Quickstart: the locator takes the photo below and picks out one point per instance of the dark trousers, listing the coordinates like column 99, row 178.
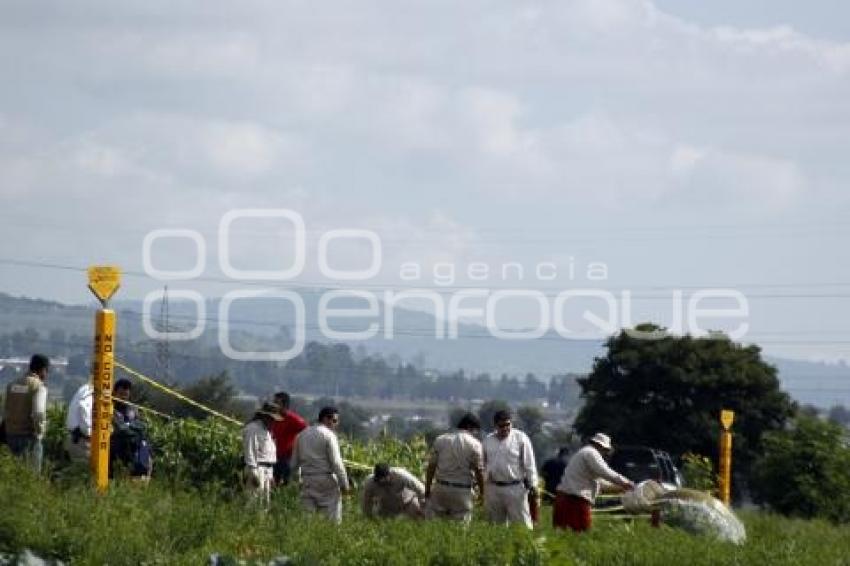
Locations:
column 28, row 447
column 282, row 472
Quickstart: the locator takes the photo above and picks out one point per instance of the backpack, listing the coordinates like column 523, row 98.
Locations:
column 130, row 446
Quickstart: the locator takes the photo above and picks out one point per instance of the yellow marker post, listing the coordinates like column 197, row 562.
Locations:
column 726, row 419
column 103, row 282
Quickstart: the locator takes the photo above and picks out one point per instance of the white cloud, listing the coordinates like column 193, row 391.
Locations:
column 719, row 179
column 684, row 158
column 541, row 117
column 243, row 149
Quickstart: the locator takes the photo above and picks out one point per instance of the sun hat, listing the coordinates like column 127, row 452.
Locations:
column 270, row 410
column 601, row 440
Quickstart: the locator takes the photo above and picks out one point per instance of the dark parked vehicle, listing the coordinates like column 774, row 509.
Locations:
column 639, row 463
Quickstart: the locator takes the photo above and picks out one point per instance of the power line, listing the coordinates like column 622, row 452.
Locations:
column 317, row 287
column 559, row 233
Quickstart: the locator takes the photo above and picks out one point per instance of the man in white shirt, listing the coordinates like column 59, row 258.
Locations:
column 511, row 473
column 25, row 414
column 259, row 452
column 586, row 474
column 393, row 491
column 317, row 458
column 455, row 462
column 78, row 424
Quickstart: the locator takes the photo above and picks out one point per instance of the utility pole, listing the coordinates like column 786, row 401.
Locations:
column 163, row 352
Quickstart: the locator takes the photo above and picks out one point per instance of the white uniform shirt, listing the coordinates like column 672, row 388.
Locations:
column 583, row 474
column 79, row 410
column 39, row 411
column 257, row 444
column 456, row 455
column 502, row 458
column 317, row 452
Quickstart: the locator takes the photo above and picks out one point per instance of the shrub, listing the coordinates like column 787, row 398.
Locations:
column 699, row 472
column 805, row 471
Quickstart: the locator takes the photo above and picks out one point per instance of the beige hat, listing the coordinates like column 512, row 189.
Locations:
column 602, row 440
column 270, row 410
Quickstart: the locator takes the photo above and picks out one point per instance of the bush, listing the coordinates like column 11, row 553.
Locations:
column 199, row 453
column 805, row 471
column 412, row 455
column 699, row 472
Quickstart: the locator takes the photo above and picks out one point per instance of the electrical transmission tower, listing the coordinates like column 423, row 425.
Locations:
column 163, row 354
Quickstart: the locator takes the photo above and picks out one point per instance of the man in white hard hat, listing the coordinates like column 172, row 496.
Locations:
column 586, row 474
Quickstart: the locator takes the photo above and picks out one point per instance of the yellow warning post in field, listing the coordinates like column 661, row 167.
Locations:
column 725, row 468
column 727, row 418
column 104, row 281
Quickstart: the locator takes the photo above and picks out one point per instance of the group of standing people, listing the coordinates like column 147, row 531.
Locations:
column 128, row 443
column 25, row 422
column 502, row 468
column 279, row 446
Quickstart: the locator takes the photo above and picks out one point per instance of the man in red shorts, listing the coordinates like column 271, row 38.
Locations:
column 284, row 433
column 582, row 480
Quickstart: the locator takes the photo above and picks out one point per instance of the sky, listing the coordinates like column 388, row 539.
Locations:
column 684, row 145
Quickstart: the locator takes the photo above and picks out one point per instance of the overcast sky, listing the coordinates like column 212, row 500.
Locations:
column 684, row 144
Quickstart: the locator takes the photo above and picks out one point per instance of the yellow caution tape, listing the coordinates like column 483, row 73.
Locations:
column 194, row 403
column 356, row 465
column 145, row 409
column 180, row 396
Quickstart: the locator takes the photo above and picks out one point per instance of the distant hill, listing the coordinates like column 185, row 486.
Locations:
column 474, row 351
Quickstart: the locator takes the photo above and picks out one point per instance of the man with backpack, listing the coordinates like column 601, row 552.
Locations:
column 129, row 444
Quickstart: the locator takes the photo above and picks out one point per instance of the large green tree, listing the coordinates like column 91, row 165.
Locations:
column 668, row 391
column 805, row 470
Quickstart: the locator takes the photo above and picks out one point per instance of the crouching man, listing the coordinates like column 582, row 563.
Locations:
column 390, row 492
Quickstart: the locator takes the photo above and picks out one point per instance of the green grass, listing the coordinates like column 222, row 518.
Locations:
column 158, row 524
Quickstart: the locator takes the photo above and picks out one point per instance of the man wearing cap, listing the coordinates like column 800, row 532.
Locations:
column 455, row 461
column 259, row 452
column 511, row 473
column 26, row 412
column 391, row 492
column 317, row 457
column 586, row 473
